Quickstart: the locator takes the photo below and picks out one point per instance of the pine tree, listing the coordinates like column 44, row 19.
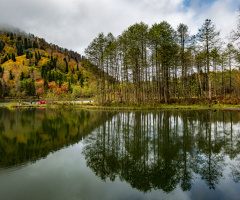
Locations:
column 11, row 36
column 95, row 53
column 35, row 46
column 29, row 43
column 230, row 54
column 1, row 89
column 20, row 49
column 2, row 45
column 45, row 84
column 39, row 56
column 10, row 75
column 69, row 87
column 60, row 80
column 80, row 78
column 183, row 39
column 4, row 59
column 36, row 58
column 33, row 88
column 21, row 76
column 49, row 76
column 66, row 65
column 27, row 55
column 1, row 71
column 208, row 36
column 25, row 43
column 13, row 57
column 44, row 71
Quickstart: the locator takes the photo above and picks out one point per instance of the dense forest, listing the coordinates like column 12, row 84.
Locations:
column 144, row 65
column 157, row 64
column 31, row 67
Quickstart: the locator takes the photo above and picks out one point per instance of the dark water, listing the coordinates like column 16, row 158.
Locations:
column 76, row 154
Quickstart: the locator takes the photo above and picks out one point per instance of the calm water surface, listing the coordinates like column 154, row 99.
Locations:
column 76, row 154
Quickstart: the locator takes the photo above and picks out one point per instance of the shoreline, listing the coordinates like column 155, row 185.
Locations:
column 92, row 106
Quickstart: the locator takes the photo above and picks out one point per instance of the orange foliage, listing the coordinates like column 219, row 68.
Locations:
column 39, row 87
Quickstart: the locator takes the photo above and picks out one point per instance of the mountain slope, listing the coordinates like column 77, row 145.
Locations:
column 29, row 66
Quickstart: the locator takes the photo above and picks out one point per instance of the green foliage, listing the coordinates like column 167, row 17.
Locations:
column 49, row 76
column 76, row 92
column 44, row 71
column 10, row 75
column 13, row 57
column 29, row 87
column 25, row 43
column 29, row 55
column 80, row 78
column 35, row 45
column 53, row 63
column 2, row 45
column 19, row 49
column 5, row 59
column 11, row 36
column 1, row 90
column 60, row 80
column 45, row 86
column 69, row 87
column 47, row 68
column 1, row 72
column 66, row 65
column 21, row 76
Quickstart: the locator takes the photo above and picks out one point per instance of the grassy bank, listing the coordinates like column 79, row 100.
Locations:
column 128, row 107
column 167, row 107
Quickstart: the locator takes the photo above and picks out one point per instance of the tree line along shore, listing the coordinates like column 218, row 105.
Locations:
column 157, row 64
column 144, row 66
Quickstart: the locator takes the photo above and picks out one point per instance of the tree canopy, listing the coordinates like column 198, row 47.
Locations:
column 156, row 64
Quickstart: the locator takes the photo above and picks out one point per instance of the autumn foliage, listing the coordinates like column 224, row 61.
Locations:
column 29, row 66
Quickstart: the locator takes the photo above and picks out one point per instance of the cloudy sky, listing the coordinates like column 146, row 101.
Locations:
column 73, row 24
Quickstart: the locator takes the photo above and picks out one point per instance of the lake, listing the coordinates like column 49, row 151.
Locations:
column 77, row 154
column 27, row 102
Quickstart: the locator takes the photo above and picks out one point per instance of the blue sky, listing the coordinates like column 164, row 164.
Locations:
column 73, row 24
column 200, row 3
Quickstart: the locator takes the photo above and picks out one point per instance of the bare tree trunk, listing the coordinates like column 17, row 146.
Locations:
column 199, row 80
column 215, row 77
column 208, row 75
column 230, row 67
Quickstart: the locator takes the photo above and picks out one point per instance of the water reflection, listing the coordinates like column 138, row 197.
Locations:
column 27, row 135
column 161, row 150
column 148, row 150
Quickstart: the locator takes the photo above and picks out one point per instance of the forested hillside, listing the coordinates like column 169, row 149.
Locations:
column 160, row 64
column 143, row 65
column 31, row 67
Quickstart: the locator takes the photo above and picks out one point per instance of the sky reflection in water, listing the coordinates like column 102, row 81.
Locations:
column 74, row 154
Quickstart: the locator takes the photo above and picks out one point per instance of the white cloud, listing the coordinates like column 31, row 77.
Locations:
column 74, row 23
column 224, row 16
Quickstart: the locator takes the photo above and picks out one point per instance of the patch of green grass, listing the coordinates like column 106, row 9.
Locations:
column 115, row 106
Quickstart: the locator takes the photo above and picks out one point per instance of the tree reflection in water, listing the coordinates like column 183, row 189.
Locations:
column 27, row 135
column 149, row 150
column 161, row 150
